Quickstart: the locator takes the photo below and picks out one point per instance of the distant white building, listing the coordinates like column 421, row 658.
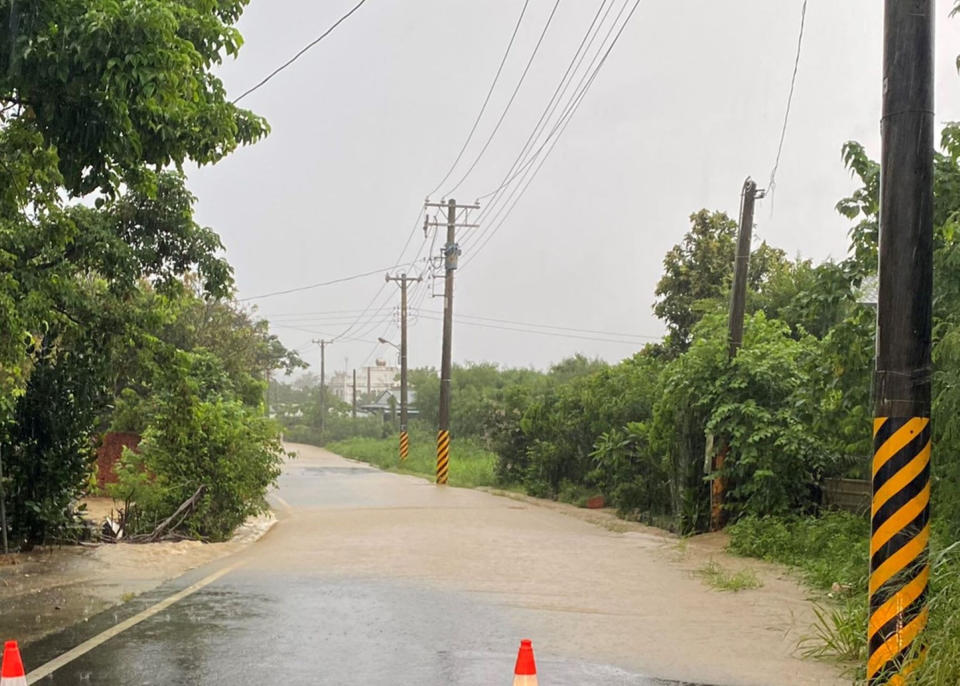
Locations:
column 376, row 379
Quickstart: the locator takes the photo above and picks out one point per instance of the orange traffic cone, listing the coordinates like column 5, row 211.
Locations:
column 11, row 673
column 525, row 673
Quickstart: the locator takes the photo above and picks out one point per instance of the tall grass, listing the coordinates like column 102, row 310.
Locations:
column 830, row 553
column 829, row 550
column 470, row 465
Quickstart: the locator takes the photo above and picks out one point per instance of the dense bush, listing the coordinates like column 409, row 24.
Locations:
column 198, row 433
column 49, row 448
column 630, row 473
column 232, row 451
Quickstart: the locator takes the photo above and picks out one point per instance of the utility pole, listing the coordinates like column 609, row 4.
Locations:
column 451, row 253
column 899, row 542
column 738, row 307
column 323, row 382
column 3, row 507
column 354, row 394
column 268, row 394
column 741, row 266
column 403, row 279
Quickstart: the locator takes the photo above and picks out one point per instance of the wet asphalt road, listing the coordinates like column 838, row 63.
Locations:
column 274, row 621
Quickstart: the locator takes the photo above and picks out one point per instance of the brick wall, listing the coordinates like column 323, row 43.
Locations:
column 109, row 452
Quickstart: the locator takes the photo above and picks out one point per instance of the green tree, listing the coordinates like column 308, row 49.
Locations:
column 696, row 269
column 108, row 88
column 97, row 98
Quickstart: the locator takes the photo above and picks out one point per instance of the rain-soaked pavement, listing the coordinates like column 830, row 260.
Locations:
column 283, row 618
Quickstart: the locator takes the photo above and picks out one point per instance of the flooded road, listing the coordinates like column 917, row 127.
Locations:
column 375, row 578
column 248, row 629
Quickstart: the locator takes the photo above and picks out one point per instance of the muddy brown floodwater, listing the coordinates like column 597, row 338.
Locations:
column 603, row 588
column 414, row 576
column 52, row 588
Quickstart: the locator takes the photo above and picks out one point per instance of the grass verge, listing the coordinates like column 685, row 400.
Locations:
column 830, row 554
column 715, row 576
column 470, row 465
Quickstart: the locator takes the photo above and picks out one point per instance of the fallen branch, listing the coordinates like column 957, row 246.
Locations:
column 172, row 522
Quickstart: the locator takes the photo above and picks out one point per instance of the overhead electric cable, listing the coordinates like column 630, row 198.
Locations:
column 772, row 184
column 356, row 321
column 486, row 100
column 571, row 105
column 544, row 333
column 376, row 346
column 299, row 54
column 487, row 233
column 585, row 44
column 506, row 109
column 318, row 285
column 320, row 333
column 547, row 326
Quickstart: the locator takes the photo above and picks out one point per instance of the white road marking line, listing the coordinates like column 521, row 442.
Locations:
column 85, row 647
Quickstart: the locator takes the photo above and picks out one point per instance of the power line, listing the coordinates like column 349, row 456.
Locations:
column 314, row 321
column 562, row 87
column 549, row 326
column 299, row 54
column 486, row 100
column 486, row 234
column 553, row 136
column 506, row 109
column 323, row 313
column 544, row 333
column 318, row 285
column 356, row 321
column 319, row 333
column 363, row 312
column 771, row 186
column 571, row 104
column 376, row 346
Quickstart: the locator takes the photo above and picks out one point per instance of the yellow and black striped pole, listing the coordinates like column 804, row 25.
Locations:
column 404, row 445
column 900, row 524
column 443, row 456
column 899, row 568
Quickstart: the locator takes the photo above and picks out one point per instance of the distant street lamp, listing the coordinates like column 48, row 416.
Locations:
column 384, row 340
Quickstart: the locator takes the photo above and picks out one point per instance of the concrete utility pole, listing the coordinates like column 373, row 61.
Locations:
column 899, row 544
column 354, row 393
column 738, row 307
column 323, row 382
column 741, row 266
column 451, row 253
column 403, row 279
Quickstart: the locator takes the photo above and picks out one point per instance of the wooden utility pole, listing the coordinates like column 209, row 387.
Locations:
column 323, row 382
column 738, row 308
column 899, row 542
column 403, row 280
column 451, row 254
column 354, row 413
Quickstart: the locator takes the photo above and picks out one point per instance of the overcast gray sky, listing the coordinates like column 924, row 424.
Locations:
column 690, row 102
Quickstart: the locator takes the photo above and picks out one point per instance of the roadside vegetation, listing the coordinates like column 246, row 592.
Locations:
column 794, row 406
column 474, row 466
column 115, row 305
column 714, row 575
column 117, row 313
